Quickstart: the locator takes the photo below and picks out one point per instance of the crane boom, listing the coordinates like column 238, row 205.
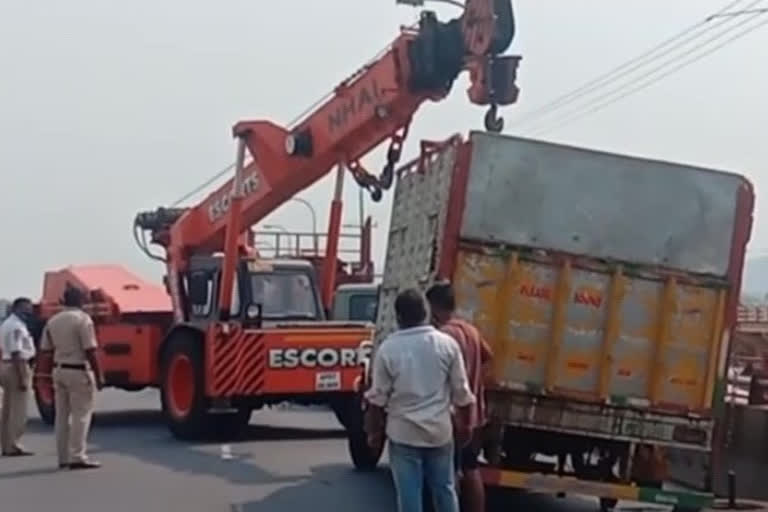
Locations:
column 373, row 105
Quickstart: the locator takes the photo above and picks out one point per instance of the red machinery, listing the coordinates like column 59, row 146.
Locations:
column 249, row 331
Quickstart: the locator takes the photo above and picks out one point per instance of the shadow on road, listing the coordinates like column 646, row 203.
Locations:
column 330, row 488
column 27, row 473
column 105, row 421
column 142, row 434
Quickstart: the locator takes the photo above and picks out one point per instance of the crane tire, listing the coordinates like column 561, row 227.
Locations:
column 182, row 388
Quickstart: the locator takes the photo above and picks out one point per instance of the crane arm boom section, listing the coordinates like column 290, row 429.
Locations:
column 373, row 105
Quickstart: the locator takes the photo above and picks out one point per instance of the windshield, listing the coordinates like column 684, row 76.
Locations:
column 284, row 295
column 362, row 308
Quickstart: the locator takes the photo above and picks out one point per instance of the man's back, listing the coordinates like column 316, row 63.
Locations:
column 420, row 370
column 476, row 354
column 15, row 336
column 69, row 333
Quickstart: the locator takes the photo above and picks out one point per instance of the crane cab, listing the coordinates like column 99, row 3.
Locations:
column 265, row 292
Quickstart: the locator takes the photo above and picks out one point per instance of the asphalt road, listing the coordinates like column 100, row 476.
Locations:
column 291, row 460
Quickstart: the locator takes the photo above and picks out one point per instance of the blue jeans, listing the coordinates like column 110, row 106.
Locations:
column 412, row 465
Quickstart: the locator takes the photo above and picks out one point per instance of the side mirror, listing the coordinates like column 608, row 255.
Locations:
column 198, row 287
column 253, row 315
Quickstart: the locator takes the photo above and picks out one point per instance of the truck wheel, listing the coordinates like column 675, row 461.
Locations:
column 608, row 504
column 45, row 401
column 182, row 388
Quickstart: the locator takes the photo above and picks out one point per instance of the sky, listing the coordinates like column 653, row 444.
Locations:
column 108, row 108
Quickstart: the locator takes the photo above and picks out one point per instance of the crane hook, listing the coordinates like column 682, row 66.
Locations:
column 493, row 122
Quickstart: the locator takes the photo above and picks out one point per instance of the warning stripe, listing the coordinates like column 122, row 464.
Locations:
column 238, row 364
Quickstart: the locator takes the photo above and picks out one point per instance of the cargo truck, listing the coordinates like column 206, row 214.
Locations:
column 607, row 286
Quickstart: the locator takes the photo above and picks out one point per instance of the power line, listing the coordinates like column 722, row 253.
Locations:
column 597, row 105
column 203, row 185
column 629, row 66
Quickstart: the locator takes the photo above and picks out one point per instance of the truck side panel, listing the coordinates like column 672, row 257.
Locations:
column 534, row 194
column 595, row 333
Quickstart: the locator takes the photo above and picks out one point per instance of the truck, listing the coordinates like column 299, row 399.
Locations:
column 607, row 286
column 247, row 331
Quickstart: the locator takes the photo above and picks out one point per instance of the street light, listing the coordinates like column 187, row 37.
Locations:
column 311, row 211
column 314, row 221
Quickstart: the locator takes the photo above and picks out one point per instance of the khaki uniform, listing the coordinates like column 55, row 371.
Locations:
column 14, row 337
column 69, row 334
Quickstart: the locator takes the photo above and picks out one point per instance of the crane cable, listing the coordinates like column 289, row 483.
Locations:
column 671, row 44
column 621, row 92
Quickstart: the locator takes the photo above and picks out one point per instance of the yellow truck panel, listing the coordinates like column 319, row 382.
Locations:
column 596, row 333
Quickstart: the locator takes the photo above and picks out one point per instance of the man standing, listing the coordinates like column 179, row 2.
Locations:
column 71, row 336
column 418, row 374
column 477, row 357
column 18, row 349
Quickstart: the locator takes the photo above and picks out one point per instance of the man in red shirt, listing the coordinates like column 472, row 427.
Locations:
column 477, row 357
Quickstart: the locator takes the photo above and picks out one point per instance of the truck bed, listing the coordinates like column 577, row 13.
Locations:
column 599, row 277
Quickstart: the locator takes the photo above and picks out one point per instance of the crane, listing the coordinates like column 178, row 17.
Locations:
column 239, row 337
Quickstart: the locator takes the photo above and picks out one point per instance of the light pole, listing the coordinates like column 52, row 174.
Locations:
column 314, row 219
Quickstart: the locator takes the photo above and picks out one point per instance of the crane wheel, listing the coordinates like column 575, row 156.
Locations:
column 44, row 399
column 364, row 458
column 182, row 387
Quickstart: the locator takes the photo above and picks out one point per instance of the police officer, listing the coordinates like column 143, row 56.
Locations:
column 71, row 336
column 18, row 351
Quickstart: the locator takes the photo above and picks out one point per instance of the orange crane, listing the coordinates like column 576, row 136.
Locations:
column 248, row 331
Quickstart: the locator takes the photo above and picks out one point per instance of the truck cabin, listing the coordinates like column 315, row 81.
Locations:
column 266, row 292
column 356, row 302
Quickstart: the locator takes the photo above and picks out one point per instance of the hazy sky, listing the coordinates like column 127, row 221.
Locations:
column 108, row 108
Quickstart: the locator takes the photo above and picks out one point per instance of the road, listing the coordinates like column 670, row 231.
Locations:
column 291, row 460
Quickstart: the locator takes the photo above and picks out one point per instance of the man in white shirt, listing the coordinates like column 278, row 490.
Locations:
column 418, row 376
column 18, row 351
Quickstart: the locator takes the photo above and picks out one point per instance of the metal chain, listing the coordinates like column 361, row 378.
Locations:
column 375, row 186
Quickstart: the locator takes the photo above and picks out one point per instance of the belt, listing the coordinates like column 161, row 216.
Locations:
column 30, row 361
column 67, row 366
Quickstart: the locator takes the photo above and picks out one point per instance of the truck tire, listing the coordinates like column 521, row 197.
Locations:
column 182, row 388
column 45, row 401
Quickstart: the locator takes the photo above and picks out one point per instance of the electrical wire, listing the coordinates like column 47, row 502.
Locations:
column 203, row 185
column 628, row 67
column 603, row 103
